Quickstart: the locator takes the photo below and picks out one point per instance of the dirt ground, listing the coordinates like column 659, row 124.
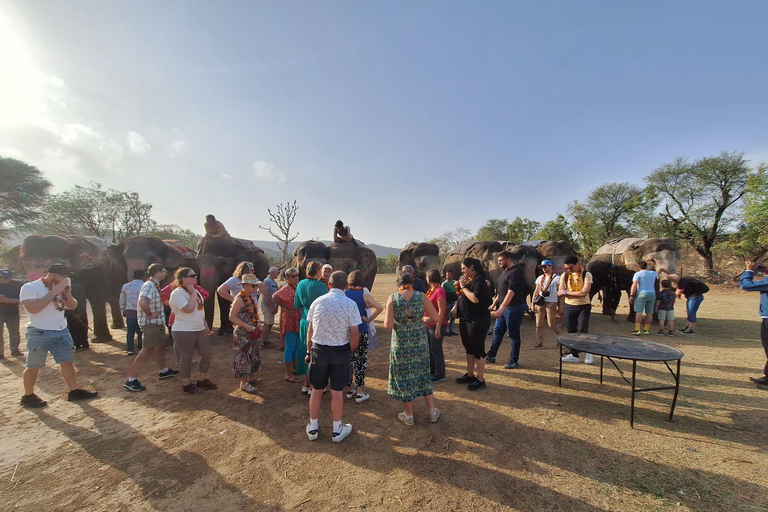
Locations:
column 522, row 444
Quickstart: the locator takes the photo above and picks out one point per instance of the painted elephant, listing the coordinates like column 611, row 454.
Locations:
column 555, row 252
column 347, row 256
column 486, row 252
column 140, row 252
column 99, row 267
column 627, row 252
column 311, row 250
column 422, row 256
column 217, row 258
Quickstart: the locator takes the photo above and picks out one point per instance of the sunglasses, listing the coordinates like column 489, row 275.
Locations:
column 191, row 275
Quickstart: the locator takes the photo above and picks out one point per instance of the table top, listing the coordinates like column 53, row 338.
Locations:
column 637, row 348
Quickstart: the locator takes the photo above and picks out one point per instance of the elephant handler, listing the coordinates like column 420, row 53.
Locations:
column 749, row 284
column 152, row 323
column 46, row 300
column 214, row 228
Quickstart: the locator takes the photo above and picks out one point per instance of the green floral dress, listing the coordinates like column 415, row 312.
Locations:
column 409, row 351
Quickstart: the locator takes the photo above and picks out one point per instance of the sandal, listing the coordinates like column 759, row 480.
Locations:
column 267, row 344
column 249, row 388
column 292, row 379
column 254, row 381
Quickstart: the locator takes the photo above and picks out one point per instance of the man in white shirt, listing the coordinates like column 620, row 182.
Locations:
column 45, row 300
column 331, row 339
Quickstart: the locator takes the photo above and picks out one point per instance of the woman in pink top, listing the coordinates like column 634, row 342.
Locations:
column 436, row 295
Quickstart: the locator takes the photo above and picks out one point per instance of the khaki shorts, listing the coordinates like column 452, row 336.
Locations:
column 269, row 318
column 154, row 336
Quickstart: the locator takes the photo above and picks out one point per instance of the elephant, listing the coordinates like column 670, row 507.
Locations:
column 555, row 251
column 347, row 256
column 217, row 258
column 422, row 256
column 142, row 251
column 99, row 267
column 311, row 250
column 528, row 258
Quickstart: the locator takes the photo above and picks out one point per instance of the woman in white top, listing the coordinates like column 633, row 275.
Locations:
column 190, row 331
column 546, row 285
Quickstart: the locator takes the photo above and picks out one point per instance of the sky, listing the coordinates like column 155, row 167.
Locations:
column 404, row 119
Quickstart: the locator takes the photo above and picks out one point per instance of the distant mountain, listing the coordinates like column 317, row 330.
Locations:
column 270, row 247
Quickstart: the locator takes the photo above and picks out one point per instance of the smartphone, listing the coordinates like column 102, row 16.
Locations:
column 68, row 281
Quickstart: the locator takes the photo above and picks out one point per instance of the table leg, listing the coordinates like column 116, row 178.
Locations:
column 677, row 388
column 632, row 405
column 560, row 377
column 601, row 369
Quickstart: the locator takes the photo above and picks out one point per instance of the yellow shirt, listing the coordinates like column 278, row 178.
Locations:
column 577, row 301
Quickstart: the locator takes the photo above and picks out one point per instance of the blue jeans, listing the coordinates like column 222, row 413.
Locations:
column 511, row 319
column 692, row 306
column 132, row 326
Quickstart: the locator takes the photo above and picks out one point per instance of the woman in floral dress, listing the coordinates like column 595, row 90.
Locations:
column 409, row 350
column 244, row 315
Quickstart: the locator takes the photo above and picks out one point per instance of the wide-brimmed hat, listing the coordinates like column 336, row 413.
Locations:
column 60, row 269
column 250, row 279
column 328, row 265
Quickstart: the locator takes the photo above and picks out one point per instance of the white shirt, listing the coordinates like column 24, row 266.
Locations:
column 332, row 315
column 554, row 284
column 49, row 318
column 186, row 322
column 235, row 285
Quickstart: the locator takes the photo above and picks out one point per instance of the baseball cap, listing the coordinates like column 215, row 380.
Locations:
column 60, row 269
column 547, row 262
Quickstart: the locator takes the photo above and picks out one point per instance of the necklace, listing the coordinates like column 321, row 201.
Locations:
column 575, row 281
column 546, row 280
column 405, row 287
column 250, row 304
column 431, row 291
column 358, row 288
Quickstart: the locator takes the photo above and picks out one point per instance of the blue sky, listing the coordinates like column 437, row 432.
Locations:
column 404, row 119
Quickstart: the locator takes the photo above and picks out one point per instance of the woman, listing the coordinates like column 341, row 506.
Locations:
column 364, row 300
column 190, row 331
column 232, row 286
column 290, row 318
column 474, row 321
column 436, row 295
column 547, row 285
column 306, row 292
column 244, row 315
column 409, row 354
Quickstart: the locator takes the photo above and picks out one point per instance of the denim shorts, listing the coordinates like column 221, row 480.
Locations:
column 40, row 342
column 645, row 302
column 666, row 314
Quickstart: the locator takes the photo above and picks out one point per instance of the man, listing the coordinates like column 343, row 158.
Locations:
column 214, row 228
column 451, row 296
column 268, row 306
column 575, row 304
column 331, row 339
column 325, row 277
column 342, row 234
column 152, row 323
column 129, row 301
column 509, row 308
column 748, row 283
column 418, row 284
column 642, row 297
column 616, row 283
column 9, row 312
column 46, row 300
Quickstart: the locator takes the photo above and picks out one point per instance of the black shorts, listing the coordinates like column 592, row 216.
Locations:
column 473, row 336
column 327, row 362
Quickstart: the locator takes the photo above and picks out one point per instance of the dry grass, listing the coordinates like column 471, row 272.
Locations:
column 521, row 444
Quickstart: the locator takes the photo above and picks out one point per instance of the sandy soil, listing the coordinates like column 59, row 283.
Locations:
column 521, row 444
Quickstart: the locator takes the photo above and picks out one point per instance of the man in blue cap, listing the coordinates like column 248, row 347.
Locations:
column 9, row 312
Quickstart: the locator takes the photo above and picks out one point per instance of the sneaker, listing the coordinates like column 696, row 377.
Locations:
column 761, row 380
column 405, row 419
column 476, row 385
column 81, row 394
column 661, row 332
column 538, row 345
column 351, row 393
column 312, row 434
column 589, row 359
column 130, row 353
column 434, row 416
column 670, row 333
column 570, row 358
column 206, row 384
column 17, row 353
column 362, row 398
column 168, row 374
column 636, row 332
column 683, row 329
column 134, row 385
column 437, row 379
column 305, row 390
column 646, row 332
column 465, row 379
column 192, row 389
column 490, row 359
column 689, row 331
column 511, row 365
column 346, row 429
column 32, row 401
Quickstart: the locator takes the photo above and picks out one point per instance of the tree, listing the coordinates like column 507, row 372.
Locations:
column 558, row 229
column 108, row 214
column 386, row 265
column 450, row 239
column 23, row 191
column 610, row 211
column 283, row 218
column 698, row 198
column 751, row 241
column 174, row 232
column 493, row 230
column 520, row 230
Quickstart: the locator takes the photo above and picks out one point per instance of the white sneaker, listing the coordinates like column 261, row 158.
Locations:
column 589, row 359
column 362, row 397
column 570, row 358
column 312, row 434
column 351, row 393
column 345, row 431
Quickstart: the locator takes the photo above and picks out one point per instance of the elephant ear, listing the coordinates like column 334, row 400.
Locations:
column 87, row 252
column 175, row 254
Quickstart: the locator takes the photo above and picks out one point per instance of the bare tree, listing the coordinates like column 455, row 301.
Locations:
column 283, row 219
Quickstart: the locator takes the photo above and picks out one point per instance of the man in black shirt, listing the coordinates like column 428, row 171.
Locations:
column 510, row 308
column 9, row 312
column 418, row 284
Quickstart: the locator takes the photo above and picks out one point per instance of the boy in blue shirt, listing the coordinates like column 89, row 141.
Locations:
column 749, row 284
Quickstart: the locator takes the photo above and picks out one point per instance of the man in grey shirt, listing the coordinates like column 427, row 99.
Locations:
column 268, row 307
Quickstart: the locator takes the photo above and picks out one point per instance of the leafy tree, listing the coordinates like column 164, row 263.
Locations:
column 751, row 241
column 386, row 265
column 174, row 232
column 23, row 191
column 520, row 230
column 699, row 198
column 493, row 230
column 558, row 229
column 610, row 211
column 283, row 218
column 108, row 214
column 450, row 239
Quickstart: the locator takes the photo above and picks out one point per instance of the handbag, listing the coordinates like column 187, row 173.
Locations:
column 256, row 333
column 540, row 299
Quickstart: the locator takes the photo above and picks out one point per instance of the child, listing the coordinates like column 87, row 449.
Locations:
column 665, row 307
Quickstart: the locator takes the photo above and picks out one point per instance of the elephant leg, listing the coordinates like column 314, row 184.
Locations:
column 117, row 317
column 225, row 327
column 100, row 330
